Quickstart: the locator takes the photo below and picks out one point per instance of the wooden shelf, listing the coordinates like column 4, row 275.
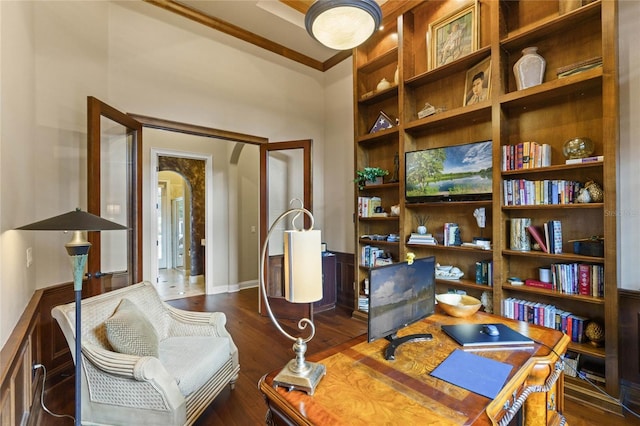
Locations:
column 554, row 206
column 550, row 113
column 563, row 257
column 553, row 294
column 551, row 169
column 523, row 37
column 464, row 284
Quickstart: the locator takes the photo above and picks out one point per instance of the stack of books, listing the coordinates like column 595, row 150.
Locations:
column 367, row 206
column 425, row 239
column 363, row 303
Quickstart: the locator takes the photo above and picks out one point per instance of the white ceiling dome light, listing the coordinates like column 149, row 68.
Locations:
column 343, row 24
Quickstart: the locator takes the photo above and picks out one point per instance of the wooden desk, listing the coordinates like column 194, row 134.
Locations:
column 362, row 388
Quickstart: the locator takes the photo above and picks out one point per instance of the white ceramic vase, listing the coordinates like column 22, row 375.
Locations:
column 529, row 70
column 422, row 229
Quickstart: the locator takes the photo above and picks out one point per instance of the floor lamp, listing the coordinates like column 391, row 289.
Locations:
column 77, row 222
column 303, row 284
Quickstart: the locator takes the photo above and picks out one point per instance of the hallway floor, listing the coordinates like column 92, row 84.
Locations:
column 174, row 284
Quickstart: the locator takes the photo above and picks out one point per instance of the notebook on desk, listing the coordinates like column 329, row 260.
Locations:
column 469, row 335
column 477, row 374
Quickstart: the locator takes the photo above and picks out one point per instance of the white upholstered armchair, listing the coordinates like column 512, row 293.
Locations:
column 145, row 362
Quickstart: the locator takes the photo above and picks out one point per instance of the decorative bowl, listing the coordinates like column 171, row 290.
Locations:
column 458, row 305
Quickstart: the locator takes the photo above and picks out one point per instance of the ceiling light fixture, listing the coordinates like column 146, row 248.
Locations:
column 343, row 24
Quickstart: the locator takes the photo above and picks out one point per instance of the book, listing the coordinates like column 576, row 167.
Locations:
column 578, row 67
column 539, row 284
column 584, row 279
column 538, row 235
column 557, row 237
column 594, row 159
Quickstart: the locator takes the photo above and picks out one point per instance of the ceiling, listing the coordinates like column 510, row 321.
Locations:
column 274, row 25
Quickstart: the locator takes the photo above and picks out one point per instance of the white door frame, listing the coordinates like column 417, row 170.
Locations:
column 208, row 225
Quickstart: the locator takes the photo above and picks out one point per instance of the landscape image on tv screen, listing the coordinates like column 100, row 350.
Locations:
column 453, row 172
column 401, row 294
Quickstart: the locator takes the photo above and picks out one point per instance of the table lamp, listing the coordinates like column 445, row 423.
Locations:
column 303, row 284
column 78, row 249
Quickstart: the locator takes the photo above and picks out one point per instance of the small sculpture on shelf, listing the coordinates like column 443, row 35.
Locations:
column 595, row 333
column 595, row 191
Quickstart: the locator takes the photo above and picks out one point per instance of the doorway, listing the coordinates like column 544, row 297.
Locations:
column 181, row 223
column 174, row 234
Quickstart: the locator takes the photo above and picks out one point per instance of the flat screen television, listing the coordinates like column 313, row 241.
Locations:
column 451, row 173
column 400, row 294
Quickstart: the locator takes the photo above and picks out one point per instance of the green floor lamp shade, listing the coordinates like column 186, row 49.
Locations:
column 77, row 222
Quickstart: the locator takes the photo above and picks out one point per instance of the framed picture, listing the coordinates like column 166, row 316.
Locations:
column 478, row 83
column 453, row 36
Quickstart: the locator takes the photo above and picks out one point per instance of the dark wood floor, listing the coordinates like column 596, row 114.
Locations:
column 262, row 349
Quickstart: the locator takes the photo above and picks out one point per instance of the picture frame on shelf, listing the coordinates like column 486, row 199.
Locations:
column 453, row 36
column 477, row 87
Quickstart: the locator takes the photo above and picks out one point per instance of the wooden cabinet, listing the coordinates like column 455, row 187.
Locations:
column 329, row 288
column 584, row 104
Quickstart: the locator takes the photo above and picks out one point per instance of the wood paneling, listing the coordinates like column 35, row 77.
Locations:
column 252, row 334
column 345, row 277
column 629, row 358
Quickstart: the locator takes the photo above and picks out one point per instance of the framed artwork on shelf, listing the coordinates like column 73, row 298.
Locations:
column 453, row 36
column 477, row 84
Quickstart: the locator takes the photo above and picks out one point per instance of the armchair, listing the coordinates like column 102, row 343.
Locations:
column 192, row 358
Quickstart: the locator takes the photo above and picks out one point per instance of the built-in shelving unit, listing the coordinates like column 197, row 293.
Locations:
column 581, row 105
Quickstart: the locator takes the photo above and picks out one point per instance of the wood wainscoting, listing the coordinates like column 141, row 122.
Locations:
column 36, row 339
column 628, row 350
column 345, row 278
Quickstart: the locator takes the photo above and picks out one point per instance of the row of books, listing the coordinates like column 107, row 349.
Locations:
column 548, row 236
column 578, row 278
column 452, row 234
column 425, row 239
column 523, row 192
column 525, row 155
column 546, row 315
column 363, row 303
column 367, row 206
column 371, row 257
column 573, row 278
column 484, row 272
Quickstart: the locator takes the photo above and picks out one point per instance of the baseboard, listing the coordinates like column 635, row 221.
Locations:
column 630, row 395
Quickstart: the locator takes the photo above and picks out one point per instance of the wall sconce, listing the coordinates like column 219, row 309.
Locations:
column 303, row 284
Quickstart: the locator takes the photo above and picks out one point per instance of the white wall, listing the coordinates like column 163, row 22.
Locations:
column 628, row 215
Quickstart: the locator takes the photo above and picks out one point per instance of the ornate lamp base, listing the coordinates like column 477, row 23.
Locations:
column 306, row 381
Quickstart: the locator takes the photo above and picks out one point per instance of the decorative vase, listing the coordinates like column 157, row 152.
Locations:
column 383, row 84
column 529, row 70
column 422, row 229
column 396, row 76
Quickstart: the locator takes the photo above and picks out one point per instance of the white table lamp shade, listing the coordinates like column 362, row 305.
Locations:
column 302, row 266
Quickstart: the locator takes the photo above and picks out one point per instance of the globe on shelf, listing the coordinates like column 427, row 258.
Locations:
column 577, row 148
